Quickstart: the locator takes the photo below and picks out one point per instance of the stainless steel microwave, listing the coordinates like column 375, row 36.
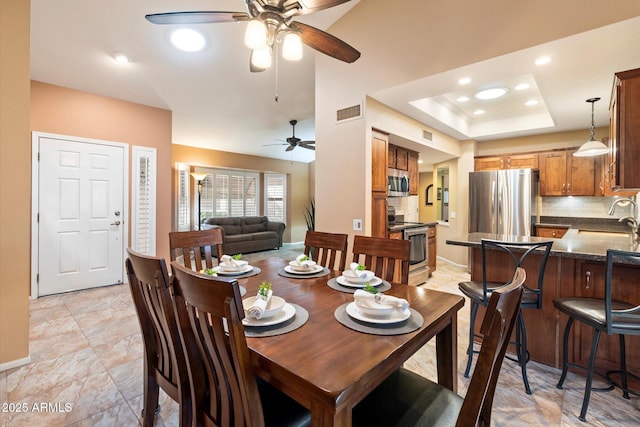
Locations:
column 398, row 183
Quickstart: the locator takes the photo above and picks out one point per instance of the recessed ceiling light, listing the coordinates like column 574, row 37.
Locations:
column 464, row 81
column 478, row 112
column 522, row 86
column 188, row 40
column 531, row 103
column 543, row 60
column 121, row 58
column 462, row 99
column 492, row 93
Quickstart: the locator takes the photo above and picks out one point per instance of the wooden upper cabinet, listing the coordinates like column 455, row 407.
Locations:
column 414, row 175
column 624, row 141
column 398, row 158
column 562, row 174
column 512, row 161
column 379, row 153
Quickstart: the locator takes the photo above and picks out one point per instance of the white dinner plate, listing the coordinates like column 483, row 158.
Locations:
column 344, row 282
column 313, row 270
column 220, row 270
column 395, row 317
column 287, row 312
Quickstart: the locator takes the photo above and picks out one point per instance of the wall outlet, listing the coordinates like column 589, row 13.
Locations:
column 357, row 225
column 452, row 215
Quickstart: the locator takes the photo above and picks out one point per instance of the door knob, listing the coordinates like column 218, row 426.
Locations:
column 115, row 223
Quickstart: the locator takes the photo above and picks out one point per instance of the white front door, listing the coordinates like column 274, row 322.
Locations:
column 81, row 220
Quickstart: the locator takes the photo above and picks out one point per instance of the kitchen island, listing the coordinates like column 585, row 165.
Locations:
column 576, row 267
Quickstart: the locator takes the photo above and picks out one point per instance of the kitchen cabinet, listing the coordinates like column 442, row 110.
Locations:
column 551, row 231
column 562, row 174
column 431, row 248
column 379, row 184
column 395, row 235
column 624, row 140
column 511, row 161
column 398, row 158
column 414, row 175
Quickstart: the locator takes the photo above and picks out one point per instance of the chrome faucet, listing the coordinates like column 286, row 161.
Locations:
column 632, row 220
column 624, row 200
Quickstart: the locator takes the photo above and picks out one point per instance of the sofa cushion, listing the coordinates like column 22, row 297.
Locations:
column 232, row 238
column 249, row 220
column 265, row 235
column 230, row 230
column 254, row 228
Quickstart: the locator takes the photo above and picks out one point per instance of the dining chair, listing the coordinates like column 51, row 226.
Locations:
column 408, row 399
column 479, row 292
column 326, row 248
column 224, row 388
column 196, row 247
column 602, row 314
column 164, row 361
column 383, row 256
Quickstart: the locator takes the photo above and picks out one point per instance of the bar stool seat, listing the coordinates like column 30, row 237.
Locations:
column 608, row 315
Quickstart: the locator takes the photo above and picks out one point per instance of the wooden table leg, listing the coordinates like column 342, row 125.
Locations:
column 447, row 355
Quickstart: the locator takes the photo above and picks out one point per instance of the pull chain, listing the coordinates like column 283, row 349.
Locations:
column 275, row 48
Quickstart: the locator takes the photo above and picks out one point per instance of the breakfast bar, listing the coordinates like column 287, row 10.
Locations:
column 576, row 267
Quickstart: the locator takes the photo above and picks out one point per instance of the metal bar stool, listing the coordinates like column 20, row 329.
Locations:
column 479, row 292
column 613, row 317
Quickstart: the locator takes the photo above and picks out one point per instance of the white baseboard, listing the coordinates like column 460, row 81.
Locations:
column 15, row 363
column 451, row 262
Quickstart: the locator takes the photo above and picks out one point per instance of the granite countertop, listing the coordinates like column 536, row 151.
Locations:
column 401, row 227
column 574, row 244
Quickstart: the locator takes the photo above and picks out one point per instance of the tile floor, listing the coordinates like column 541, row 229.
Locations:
column 86, row 369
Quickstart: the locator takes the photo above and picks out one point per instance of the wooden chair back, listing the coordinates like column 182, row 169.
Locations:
column 164, row 365
column 497, row 326
column 383, row 256
column 225, row 392
column 326, row 248
column 199, row 244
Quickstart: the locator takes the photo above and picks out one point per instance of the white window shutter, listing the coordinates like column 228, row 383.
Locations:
column 182, row 202
column 143, row 218
column 276, row 191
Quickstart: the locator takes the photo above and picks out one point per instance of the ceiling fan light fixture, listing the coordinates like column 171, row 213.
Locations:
column 255, row 37
column 292, row 47
column 261, row 58
column 188, row 40
column 592, row 147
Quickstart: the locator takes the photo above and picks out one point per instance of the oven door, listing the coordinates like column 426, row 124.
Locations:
column 418, row 257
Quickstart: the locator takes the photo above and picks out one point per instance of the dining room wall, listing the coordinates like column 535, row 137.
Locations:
column 297, row 182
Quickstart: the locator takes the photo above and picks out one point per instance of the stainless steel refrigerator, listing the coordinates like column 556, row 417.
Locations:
column 503, row 201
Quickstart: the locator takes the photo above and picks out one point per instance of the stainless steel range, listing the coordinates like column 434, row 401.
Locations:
column 416, row 233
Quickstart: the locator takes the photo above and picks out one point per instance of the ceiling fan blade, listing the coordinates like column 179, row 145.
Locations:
column 196, row 17
column 325, row 42
column 306, row 142
column 309, row 6
column 289, row 148
column 270, row 145
column 308, row 147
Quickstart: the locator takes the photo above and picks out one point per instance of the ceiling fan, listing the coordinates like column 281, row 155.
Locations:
column 294, row 142
column 269, row 19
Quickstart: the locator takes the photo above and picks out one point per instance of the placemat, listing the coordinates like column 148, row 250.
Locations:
column 413, row 323
column 333, row 284
column 252, row 272
column 321, row 273
column 299, row 319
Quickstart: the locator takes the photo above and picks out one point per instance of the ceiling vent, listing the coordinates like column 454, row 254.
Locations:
column 349, row 113
column 427, row 135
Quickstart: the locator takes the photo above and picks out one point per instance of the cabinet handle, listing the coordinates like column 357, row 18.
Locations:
column 501, row 164
column 553, row 234
column 588, row 280
column 568, row 187
column 563, row 187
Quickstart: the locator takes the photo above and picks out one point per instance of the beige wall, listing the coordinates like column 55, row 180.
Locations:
column 427, row 213
column 297, row 179
column 64, row 111
column 15, row 183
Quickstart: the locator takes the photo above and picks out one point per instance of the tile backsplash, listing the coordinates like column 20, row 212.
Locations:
column 582, row 207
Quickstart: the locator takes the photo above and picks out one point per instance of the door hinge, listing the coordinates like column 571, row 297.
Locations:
column 38, row 217
column 37, row 277
column 38, row 156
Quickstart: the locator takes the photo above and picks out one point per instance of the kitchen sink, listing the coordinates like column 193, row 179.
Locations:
column 603, row 233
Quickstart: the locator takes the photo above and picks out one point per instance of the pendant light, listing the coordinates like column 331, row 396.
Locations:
column 592, row 147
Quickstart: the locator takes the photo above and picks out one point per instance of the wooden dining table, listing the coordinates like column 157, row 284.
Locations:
column 328, row 367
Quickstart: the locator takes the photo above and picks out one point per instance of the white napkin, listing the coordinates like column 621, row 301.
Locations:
column 306, row 264
column 370, row 299
column 256, row 310
column 228, row 261
column 357, row 273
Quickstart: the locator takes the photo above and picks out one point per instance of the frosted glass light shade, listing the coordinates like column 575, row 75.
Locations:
column 255, row 37
column 261, row 58
column 292, row 47
column 591, row 148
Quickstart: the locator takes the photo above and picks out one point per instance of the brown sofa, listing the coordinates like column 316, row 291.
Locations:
column 247, row 233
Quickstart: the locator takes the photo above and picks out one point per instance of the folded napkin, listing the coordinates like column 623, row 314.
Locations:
column 354, row 269
column 256, row 310
column 370, row 299
column 228, row 261
column 304, row 264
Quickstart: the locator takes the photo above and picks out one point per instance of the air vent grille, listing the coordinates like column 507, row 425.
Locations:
column 427, row 135
column 349, row 113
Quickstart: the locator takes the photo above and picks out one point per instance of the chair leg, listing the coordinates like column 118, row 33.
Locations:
column 592, row 362
column 623, row 367
column 521, row 350
column 472, row 322
column 151, row 394
column 565, row 353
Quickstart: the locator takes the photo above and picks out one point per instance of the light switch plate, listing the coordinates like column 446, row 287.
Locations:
column 357, row 225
